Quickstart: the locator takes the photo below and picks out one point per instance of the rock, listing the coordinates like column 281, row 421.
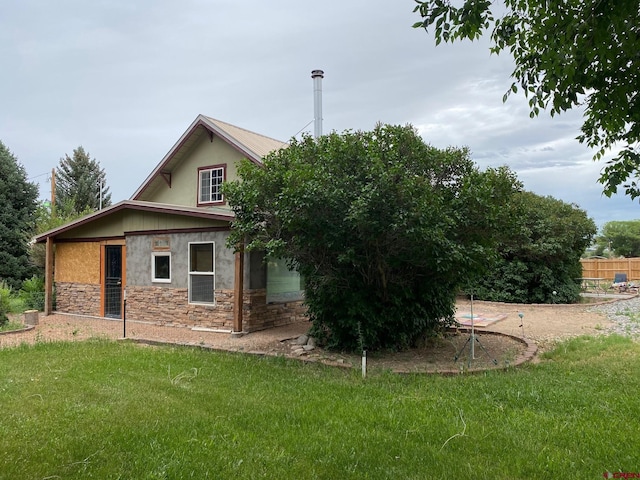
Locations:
column 302, row 340
column 308, row 348
column 311, row 342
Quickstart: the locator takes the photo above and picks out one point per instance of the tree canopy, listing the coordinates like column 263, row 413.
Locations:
column 78, row 180
column 567, row 54
column 18, row 201
column 620, row 237
column 539, row 252
column 382, row 227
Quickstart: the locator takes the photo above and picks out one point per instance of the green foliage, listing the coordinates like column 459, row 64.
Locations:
column 78, row 180
column 539, row 253
column 5, row 302
column 32, row 293
column 48, row 219
column 567, row 54
column 17, row 222
column 621, row 237
column 382, row 227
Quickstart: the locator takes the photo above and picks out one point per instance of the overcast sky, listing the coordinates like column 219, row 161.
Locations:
column 125, row 79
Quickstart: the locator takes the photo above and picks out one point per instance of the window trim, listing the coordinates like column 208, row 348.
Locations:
column 154, row 278
column 191, row 273
column 210, row 168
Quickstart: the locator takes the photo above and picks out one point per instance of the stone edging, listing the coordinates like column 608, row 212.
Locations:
column 19, row 330
column 526, row 356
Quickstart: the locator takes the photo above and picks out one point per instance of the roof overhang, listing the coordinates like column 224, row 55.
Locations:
column 136, row 205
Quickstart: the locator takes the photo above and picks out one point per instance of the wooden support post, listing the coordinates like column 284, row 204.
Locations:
column 238, row 290
column 48, row 277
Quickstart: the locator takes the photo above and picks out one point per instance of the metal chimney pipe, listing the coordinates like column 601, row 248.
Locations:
column 317, row 76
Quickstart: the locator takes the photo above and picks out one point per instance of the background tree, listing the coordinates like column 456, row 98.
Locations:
column 382, row 227
column 567, row 53
column 45, row 220
column 539, row 253
column 78, row 180
column 17, row 219
column 620, row 237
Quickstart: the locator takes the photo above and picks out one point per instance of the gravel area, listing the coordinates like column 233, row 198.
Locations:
column 624, row 316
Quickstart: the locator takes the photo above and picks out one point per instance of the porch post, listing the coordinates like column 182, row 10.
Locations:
column 48, row 277
column 238, row 290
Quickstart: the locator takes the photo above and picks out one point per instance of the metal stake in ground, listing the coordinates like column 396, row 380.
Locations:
column 471, row 341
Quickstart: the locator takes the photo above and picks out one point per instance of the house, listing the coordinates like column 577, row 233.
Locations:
column 162, row 255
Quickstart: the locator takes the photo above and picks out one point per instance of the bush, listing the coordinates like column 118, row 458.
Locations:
column 539, row 253
column 32, row 293
column 382, row 227
column 5, row 302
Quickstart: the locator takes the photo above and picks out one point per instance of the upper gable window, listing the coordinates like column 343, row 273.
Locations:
column 210, row 184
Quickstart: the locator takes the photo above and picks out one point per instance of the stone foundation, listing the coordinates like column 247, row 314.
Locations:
column 78, row 298
column 259, row 315
column 170, row 306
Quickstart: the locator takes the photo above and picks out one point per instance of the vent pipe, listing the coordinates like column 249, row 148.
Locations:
column 317, row 76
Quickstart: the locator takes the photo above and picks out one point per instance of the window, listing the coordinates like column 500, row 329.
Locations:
column 210, row 180
column 201, row 273
column 161, row 267
column 283, row 285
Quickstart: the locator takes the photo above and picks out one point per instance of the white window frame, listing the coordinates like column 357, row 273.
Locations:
column 154, row 278
column 193, row 274
column 212, row 196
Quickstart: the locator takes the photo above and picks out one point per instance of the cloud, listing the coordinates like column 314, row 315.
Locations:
column 125, row 79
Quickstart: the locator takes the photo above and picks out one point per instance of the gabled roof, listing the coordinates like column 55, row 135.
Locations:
column 252, row 145
column 136, row 205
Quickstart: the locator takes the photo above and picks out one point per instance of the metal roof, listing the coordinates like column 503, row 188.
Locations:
column 252, row 145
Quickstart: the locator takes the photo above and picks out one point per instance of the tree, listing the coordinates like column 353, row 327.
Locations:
column 382, row 227
column 78, row 179
column 567, row 53
column 46, row 219
column 620, row 237
column 539, row 252
column 17, row 210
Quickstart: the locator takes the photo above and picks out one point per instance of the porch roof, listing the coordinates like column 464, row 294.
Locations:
column 137, row 205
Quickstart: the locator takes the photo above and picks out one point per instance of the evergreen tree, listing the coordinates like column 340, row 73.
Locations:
column 78, row 179
column 18, row 202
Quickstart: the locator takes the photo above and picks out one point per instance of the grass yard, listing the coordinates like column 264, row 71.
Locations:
column 116, row 410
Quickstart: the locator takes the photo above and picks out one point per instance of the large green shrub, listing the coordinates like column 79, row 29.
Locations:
column 539, row 253
column 382, row 227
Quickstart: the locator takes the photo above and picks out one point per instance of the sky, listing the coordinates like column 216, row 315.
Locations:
column 124, row 79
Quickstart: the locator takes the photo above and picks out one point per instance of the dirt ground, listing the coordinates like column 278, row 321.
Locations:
column 541, row 326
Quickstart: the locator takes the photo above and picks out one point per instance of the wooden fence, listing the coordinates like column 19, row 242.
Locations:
column 607, row 267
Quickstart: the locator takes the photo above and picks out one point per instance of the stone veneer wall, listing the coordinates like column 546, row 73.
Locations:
column 78, row 298
column 259, row 315
column 170, row 306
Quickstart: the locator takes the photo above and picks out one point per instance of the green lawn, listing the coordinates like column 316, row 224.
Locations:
column 111, row 410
